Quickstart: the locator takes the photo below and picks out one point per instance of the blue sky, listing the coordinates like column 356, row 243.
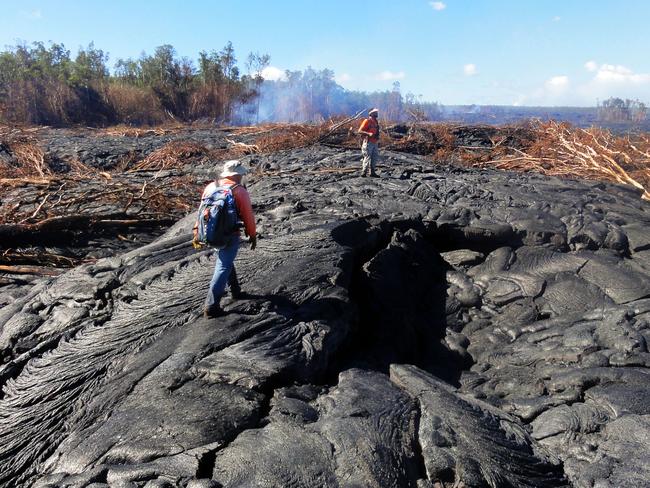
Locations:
column 508, row 52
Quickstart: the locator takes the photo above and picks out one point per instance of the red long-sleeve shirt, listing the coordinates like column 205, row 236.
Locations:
column 242, row 202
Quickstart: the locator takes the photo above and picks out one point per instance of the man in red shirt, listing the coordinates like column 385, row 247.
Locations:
column 224, row 270
column 370, row 147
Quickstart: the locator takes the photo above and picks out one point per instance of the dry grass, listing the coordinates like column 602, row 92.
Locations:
column 178, row 154
column 37, row 194
column 29, row 157
column 175, row 154
column 549, row 148
column 271, row 138
column 147, row 189
column 594, row 154
column 135, row 105
column 340, row 131
column 127, row 131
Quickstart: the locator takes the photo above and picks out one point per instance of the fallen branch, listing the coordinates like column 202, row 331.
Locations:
column 14, row 182
column 243, row 147
column 581, row 153
column 60, row 226
column 336, row 126
column 32, row 270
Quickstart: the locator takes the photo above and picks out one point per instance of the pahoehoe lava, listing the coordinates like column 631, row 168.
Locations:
column 434, row 326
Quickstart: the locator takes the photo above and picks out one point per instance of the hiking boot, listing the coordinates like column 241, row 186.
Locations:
column 236, row 293
column 374, row 175
column 213, row 311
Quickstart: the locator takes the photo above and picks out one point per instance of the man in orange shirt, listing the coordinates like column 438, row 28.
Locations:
column 370, row 147
column 224, row 269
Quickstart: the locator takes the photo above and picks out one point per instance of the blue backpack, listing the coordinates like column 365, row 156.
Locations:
column 218, row 219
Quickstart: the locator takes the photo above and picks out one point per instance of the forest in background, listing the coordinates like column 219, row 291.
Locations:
column 45, row 85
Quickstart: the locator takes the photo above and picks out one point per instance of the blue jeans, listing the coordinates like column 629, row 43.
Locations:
column 223, row 267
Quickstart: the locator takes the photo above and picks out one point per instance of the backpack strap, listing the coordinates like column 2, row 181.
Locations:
column 232, row 188
column 222, row 187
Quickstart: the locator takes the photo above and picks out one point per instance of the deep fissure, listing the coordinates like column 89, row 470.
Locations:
column 428, row 352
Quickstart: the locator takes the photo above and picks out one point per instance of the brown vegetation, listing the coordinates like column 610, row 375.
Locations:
column 594, row 154
column 128, row 131
column 175, row 154
column 29, row 156
column 140, row 191
column 157, row 190
column 286, row 136
column 43, row 204
column 135, row 105
column 550, row 148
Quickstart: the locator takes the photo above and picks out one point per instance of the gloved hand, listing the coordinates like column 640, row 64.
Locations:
column 253, row 241
column 196, row 244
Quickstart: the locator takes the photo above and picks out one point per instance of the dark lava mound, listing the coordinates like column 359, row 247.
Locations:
column 432, row 327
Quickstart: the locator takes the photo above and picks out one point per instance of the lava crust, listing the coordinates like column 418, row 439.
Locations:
column 429, row 327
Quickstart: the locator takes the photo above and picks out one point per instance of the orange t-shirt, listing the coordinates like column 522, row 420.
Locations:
column 371, row 125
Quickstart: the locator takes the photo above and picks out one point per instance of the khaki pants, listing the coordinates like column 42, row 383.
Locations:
column 370, row 152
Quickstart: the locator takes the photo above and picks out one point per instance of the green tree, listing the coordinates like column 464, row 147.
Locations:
column 128, row 71
column 255, row 64
column 210, row 69
column 89, row 66
column 228, row 63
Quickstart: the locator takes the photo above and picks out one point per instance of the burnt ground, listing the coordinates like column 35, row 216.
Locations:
column 432, row 327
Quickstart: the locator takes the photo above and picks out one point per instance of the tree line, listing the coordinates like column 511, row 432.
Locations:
column 45, row 84
column 42, row 84
column 618, row 110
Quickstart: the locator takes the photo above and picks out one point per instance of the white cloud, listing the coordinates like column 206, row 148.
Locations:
column 272, row 73
column 557, row 18
column 470, row 69
column 555, row 91
column 343, row 77
column 390, row 75
column 609, row 73
column 557, row 82
column 597, row 82
column 438, row 5
column 614, row 80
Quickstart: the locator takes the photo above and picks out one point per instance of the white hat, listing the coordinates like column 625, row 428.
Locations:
column 233, row 168
column 373, row 111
